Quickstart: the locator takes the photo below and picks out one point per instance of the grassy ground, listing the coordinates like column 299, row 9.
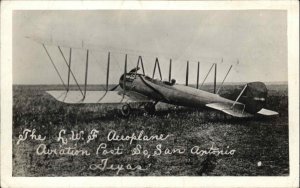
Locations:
column 255, row 140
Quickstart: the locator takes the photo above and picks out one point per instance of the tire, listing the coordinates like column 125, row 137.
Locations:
column 150, row 108
column 126, row 110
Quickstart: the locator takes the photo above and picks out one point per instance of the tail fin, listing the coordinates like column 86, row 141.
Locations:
column 254, row 97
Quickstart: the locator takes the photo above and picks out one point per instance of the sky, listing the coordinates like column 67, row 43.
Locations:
column 253, row 41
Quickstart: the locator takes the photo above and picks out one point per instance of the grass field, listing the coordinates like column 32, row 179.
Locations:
column 261, row 144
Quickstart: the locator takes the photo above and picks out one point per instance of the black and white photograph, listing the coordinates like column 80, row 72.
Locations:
column 150, row 93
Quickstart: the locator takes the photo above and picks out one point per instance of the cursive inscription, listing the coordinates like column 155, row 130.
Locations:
column 104, row 165
column 113, row 136
column 211, row 151
column 114, row 147
column 32, row 136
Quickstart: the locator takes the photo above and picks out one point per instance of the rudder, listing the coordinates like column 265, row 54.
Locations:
column 254, row 96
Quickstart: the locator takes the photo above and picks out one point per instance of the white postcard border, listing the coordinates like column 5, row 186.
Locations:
column 7, row 180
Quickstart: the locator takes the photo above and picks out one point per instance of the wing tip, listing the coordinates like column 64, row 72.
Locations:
column 267, row 112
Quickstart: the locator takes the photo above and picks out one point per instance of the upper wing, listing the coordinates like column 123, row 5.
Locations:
column 102, row 97
column 236, row 111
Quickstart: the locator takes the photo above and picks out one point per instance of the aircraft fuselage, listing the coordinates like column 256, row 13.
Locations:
column 173, row 94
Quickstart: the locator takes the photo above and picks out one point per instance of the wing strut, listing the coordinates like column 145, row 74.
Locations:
column 157, row 62
column 198, row 68
column 170, row 70
column 187, row 74
column 86, row 73
column 207, row 74
column 55, row 67
column 69, row 66
column 107, row 71
column 137, row 66
column 124, row 79
column 70, row 56
column 224, row 78
column 239, row 96
column 215, row 79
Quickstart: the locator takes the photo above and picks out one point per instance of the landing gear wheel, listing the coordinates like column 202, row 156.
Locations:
column 150, row 108
column 125, row 110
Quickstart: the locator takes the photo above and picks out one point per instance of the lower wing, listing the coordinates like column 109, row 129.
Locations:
column 101, row 97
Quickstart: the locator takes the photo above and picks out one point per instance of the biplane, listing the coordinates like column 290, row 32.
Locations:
column 147, row 91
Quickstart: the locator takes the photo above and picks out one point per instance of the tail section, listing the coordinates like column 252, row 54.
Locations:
column 251, row 101
column 254, row 98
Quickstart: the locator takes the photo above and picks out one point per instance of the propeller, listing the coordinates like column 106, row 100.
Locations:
column 115, row 87
column 132, row 71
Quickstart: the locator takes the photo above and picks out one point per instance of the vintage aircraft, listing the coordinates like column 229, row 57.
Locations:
column 139, row 88
column 143, row 89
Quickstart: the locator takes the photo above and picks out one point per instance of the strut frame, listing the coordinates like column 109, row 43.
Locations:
column 69, row 68
column 139, row 62
column 154, row 69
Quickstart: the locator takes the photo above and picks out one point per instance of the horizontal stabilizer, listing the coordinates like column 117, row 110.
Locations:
column 101, row 97
column 267, row 112
column 236, row 111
